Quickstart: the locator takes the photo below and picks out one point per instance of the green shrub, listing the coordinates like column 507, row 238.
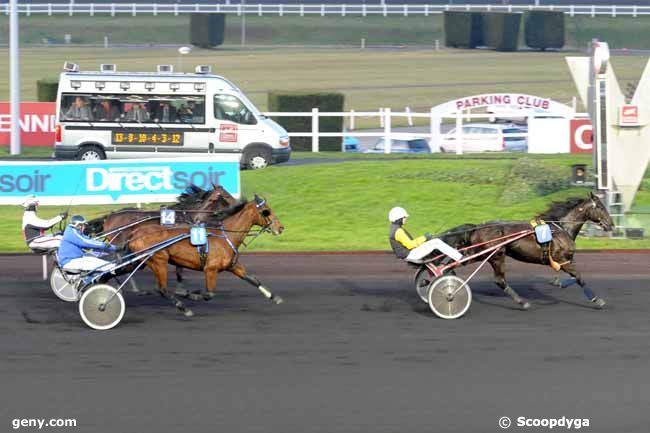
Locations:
column 501, row 30
column 544, row 29
column 463, row 29
column 207, row 30
column 304, row 102
column 46, row 89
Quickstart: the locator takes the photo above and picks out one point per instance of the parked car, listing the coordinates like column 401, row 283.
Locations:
column 487, row 137
column 406, row 145
column 351, row 144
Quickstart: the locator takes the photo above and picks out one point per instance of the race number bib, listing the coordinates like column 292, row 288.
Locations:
column 167, row 217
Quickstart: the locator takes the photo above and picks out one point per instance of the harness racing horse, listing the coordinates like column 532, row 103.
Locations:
column 226, row 233
column 560, row 250
column 194, row 205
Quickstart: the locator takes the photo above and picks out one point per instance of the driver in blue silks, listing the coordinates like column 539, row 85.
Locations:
column 71, row 255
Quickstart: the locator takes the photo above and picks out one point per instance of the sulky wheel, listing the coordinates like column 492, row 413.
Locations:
column 446, row 301
column 64, row 289
column 422, row 282
column 102, row 307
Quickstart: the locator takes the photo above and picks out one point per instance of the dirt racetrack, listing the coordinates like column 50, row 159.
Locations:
column 351, row 350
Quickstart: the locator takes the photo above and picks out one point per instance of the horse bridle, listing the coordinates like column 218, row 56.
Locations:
column 593, row 206
column 266, row 227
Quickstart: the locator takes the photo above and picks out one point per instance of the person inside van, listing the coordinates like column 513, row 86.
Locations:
column 107, row 111
column 79, row 110
column 137, row 113
column 165, row 113
column 187, row 112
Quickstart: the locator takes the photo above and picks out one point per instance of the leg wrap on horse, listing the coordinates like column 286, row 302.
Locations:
column 588, row 293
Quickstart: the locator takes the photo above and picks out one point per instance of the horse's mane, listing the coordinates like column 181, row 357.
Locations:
column 226, row 212
column 558, row 209
column 192, row 196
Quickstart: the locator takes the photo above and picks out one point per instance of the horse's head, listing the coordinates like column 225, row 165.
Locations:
column 266, row 218
column 595, row 211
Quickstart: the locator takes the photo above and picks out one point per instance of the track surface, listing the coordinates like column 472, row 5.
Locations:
column 351, row 350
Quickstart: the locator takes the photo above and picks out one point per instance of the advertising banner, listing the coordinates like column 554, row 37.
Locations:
column 37, row 120
column 114, row 181
column 580, row 136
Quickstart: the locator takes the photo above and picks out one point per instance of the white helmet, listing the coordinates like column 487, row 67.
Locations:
column 30, row 201
column 396, row 214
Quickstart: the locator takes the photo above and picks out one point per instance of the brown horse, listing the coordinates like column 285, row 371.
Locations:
column 225, row 234
column 560, row 250
column 193, row 205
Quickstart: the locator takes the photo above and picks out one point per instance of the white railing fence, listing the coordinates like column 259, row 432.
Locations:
column 385, row 117
column 325, row 9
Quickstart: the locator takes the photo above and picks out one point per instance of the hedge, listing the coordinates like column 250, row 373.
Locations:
column 501, row 30
column 207, row 30
column 304, row 102
column 544, row 29
column 463, row 29
column 46, row 89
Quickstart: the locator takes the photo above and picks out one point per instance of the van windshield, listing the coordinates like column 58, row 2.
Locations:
column 132, row 108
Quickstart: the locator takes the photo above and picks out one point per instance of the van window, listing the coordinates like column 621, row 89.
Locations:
column 132, row 108
column 230, row 108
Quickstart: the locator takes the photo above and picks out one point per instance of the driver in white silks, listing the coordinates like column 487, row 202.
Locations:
column 414, row 250
column 71, row 255
column 34, row 227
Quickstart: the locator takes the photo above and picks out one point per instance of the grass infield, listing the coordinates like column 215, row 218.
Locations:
column 344, row 206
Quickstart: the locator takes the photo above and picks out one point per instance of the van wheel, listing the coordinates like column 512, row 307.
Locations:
column 91, row 153
column 256, row 158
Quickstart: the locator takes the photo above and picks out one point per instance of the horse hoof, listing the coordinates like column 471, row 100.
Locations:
column 599, row 303
column 141, row 292
column 195, row 296
column 207, row 296
column 556, row 282
column 278, row 300
column 182, row 293
column 525, row 305
column 188, row 313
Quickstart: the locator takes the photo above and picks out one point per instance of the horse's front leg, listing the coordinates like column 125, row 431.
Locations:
column 158, row 265
column 570, row 269
column 498, row 263
column 239, row 270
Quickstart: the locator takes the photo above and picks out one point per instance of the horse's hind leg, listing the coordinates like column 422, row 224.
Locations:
column 498, row 263
column 180, row 288
column 239, row 270
column 570, row 269
column 159, row 268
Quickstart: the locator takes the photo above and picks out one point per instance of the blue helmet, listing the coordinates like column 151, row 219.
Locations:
column 77, row 220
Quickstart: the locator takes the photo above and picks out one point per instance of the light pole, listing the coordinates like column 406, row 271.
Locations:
column 14, row 78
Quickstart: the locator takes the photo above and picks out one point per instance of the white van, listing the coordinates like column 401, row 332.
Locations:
column 113, row 114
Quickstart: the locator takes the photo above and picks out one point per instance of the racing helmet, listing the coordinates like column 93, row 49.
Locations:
column 77, row 220
column 30, row 202
column 396, row 214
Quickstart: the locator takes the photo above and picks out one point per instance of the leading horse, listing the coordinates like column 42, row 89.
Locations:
column 566, row 219
column 225, row 233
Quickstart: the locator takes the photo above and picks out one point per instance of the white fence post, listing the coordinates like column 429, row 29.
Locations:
column 409, row 118
column 314, row 130
column 381, row 117
column 351, row 120
column 434, row 130
column 387, row 132
column 459, row 132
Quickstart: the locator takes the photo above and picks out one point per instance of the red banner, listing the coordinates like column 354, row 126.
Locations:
column 581, row 136
column 37, row 120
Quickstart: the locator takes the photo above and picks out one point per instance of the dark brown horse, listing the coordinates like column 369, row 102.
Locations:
column 560, row 250
column 225, row 234
column 193, row 205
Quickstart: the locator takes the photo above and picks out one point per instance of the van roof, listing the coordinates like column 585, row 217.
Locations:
column 180, row 76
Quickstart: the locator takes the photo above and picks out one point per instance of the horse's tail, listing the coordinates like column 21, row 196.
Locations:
column 95, row 226
column 459, row 236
